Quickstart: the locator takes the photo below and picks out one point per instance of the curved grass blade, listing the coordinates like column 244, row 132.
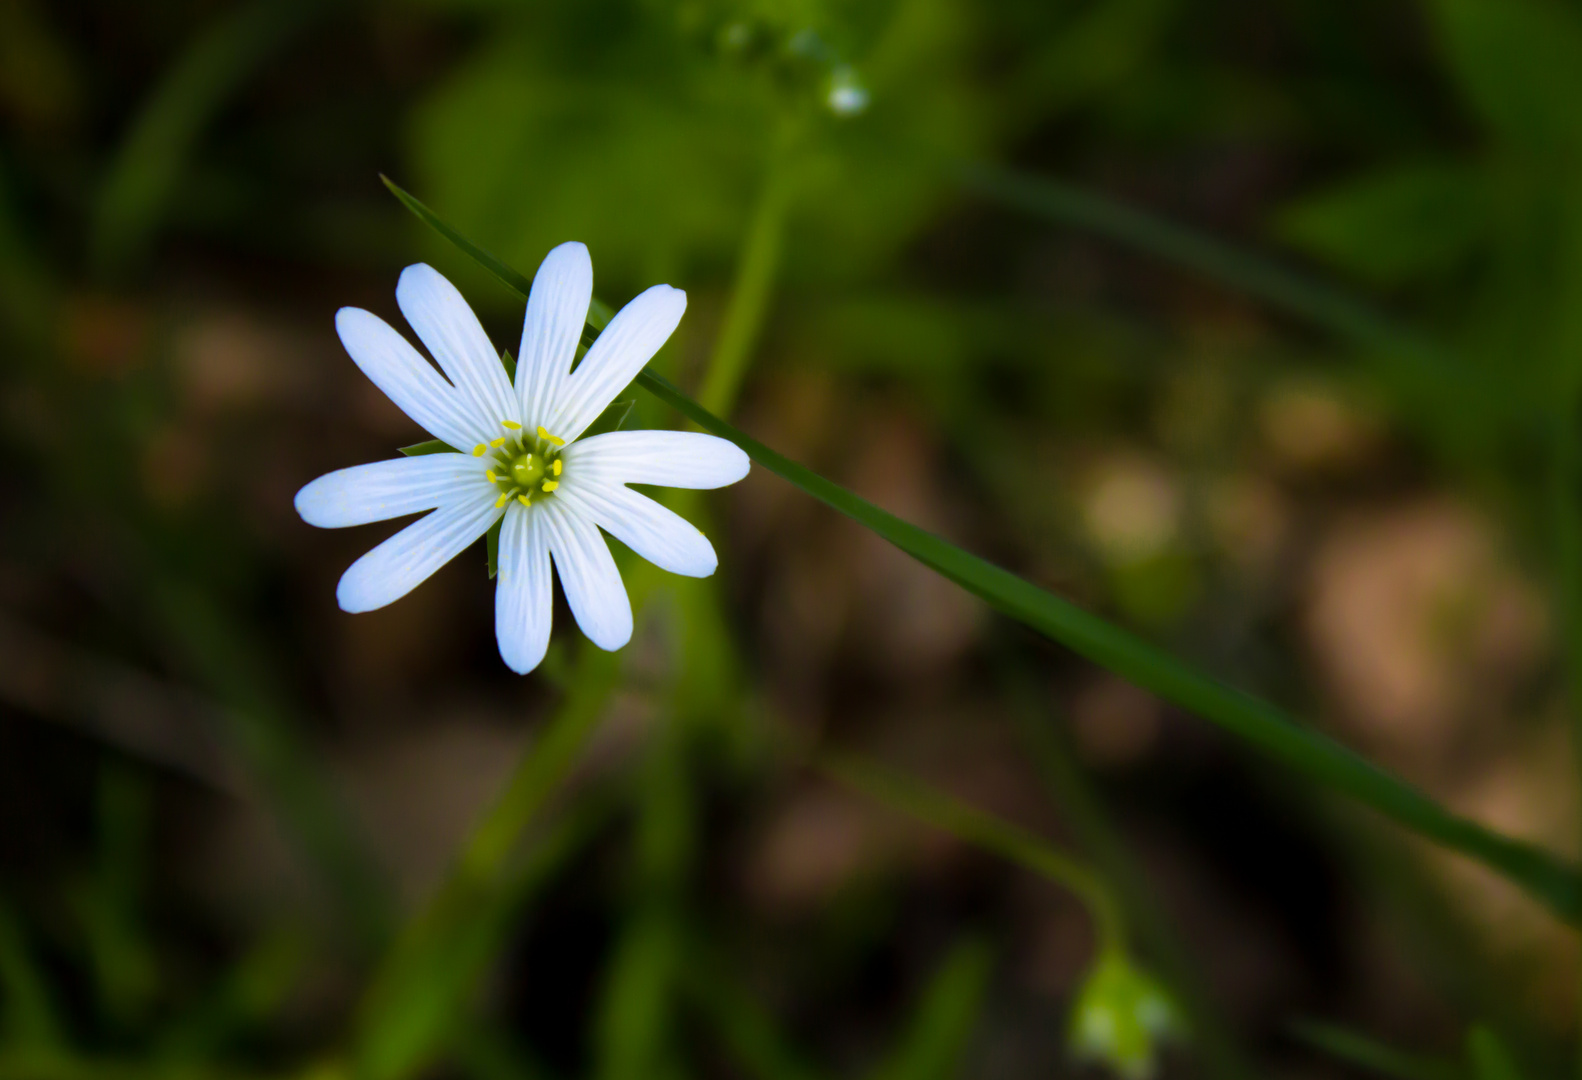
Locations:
column 1374, row 1057
column 141, row 179
column 1321, row 304
column 1551, row 880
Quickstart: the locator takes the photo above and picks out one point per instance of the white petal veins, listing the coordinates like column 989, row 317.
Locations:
column 407, row 559
column 658, row 534
column 523, row 595
column 588, row 575
column 445, row 324
column 395, row 367
column 683, row 459
column 389, row 489
column 557, row 310
column 630, row 341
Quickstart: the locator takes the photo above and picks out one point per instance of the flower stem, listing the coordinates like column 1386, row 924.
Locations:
column 755, row 275
column 918, row 800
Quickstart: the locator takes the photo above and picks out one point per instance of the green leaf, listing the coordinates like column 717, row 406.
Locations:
column 508, row 362
column 491, row 543
column 433, row 446
column 1375, row 1057
column 1392, row 225
column 1554, row 881
column 1489, row 1057
column 611, row 419
column 1520, row 65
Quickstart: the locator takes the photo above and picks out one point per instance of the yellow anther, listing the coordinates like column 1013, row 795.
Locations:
column 490, row 474
column 547, row 437
column 550, row 485
column 524, row 500
column 478, row 450
column 555, row 467
column 498, row 442
column 502, row 500
column 510, row 425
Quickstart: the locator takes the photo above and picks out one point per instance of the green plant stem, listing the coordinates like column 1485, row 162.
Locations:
column 918, row 800
column 1083, row 810
column 1553, row 881
column 755, row 274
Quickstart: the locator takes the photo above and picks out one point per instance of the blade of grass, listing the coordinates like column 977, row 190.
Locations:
column 441, row 953
column 747, row 1030
column 1553, row 881
column 916, row 799
column 1319, row 303
column 143, row 176
column 932, row 1045
column 1373, row 1056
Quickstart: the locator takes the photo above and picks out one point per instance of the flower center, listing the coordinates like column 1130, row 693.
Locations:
column 524, row 465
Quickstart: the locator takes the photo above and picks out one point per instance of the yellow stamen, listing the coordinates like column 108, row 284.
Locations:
column 524, row 500
column 502, row 500
column 550, row 485
column 511, row 425
column 547, row 437
column 555, row 467
column 490, row 474
column 478, row 450
column 498, row 442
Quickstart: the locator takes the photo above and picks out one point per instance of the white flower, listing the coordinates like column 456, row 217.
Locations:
column 521, row 458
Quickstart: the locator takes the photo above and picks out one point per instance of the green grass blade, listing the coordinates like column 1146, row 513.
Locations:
column 1322, row 304
column 1374, row 1057
column 933, row 1043
column 1551, row 880
column 143, row 176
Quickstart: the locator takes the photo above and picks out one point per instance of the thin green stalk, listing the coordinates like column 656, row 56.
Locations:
column 1555, row 882
column 918, row 800
column 442, row 952
column 1374, row 1056
column 755, row 274
column 1319, row 303
column 1083, row 810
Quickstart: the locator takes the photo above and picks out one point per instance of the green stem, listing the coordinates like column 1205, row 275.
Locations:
column 1081, row 807
column 967, row 822
column 755, row 274
column 542, row 769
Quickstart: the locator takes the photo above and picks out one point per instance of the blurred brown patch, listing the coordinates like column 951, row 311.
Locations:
column 1418, row 624
column 1310, row 426
column 104, row 335
column 1113, row 722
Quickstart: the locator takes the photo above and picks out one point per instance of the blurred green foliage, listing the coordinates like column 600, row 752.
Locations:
column 854, row 195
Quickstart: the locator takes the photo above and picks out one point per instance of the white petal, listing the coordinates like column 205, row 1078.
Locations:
column 523, row 596
column 629, row 342
column 588, row 575
column 405, row 561
column 389, row 489
column 407, row 379
column 683, row 459
column 557, row 310
column 453, row 334
column 660, row 535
